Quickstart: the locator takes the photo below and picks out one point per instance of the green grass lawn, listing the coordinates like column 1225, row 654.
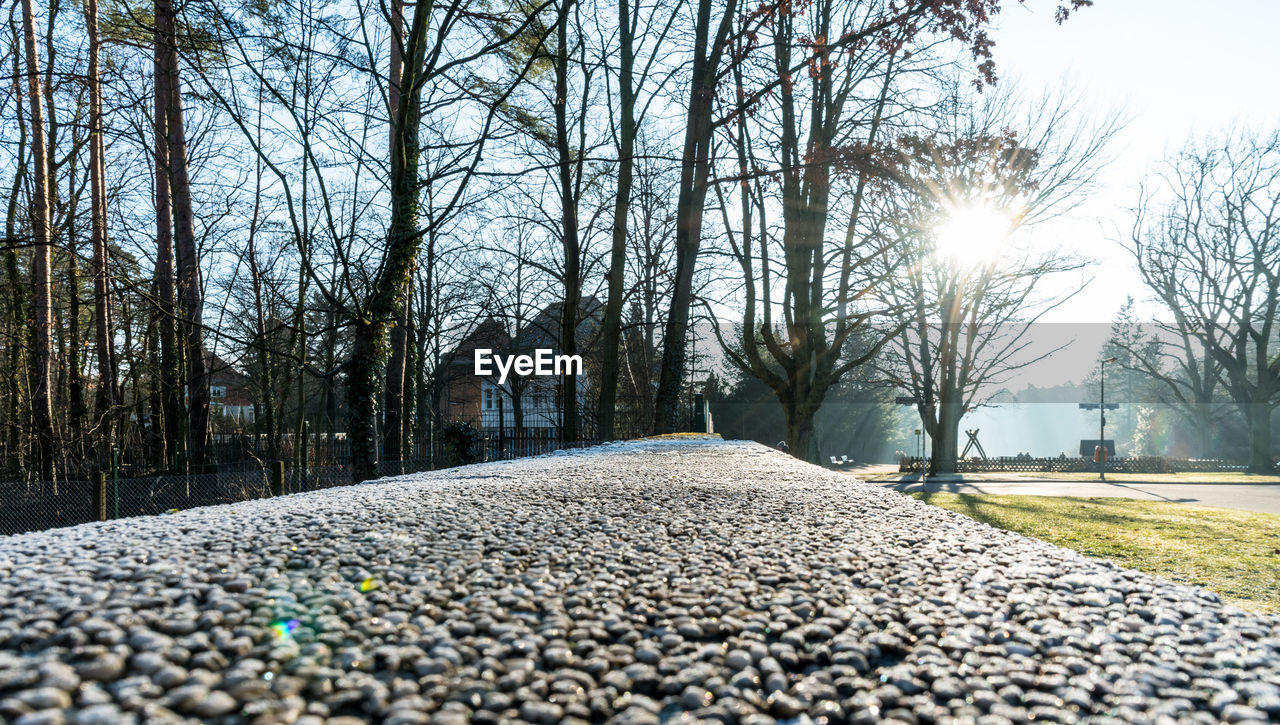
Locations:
column 1234, row 553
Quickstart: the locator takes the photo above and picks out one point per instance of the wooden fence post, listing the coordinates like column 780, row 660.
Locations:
column 277, row 478
column 98, row 496
column 115, row 483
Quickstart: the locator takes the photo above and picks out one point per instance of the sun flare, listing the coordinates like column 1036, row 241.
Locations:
column 972, row 234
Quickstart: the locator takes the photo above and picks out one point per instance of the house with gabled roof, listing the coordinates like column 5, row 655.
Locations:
column 521, row 402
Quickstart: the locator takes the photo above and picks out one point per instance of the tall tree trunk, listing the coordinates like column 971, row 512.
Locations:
column 385, row 306
column 946, row 438
column 612, row 328
column 19, row 407
column 265, row 413
column 328, row 386
column 393, row 397
column 190, row 291
column 412, row 363
column 1260, row 460
column 76, row 408
column 362, row 396
column 42, row 328
column 434, row 385
column 75, row 378
column 393, row 393
column 801, row 438
column 421, row 396
column 105, row 395
column 568, row 230
column 695, row 166
column 1203, row 415
column 171, row 402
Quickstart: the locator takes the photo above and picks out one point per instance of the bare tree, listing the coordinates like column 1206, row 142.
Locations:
column 430, row 53
column 42, row 327
column 190, row 291
column 657, row 24
column 570, row 194
column 1206, row 237
column 170, row 353
column 393, row 401
column 1187, row 378
column 16, row 383
column 970, row 313
column 886, row 24
column 107, row 393
column 798, row 339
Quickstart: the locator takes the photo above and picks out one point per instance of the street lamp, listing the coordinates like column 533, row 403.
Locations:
column 1102, row 418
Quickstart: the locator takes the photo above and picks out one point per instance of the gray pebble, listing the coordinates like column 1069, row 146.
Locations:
column 643, row 582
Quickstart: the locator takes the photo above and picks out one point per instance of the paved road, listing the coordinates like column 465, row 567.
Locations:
column 634, row 584
column 1263, row 497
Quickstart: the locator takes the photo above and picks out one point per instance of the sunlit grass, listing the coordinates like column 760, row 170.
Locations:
column 1233, row 553
column 1089, row 476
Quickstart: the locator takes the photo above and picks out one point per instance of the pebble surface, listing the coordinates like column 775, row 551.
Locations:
column 635, row 583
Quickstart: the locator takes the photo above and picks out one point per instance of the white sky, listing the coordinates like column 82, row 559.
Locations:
column 1176, row 68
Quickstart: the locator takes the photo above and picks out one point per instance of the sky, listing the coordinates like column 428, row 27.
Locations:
column 1174, row 69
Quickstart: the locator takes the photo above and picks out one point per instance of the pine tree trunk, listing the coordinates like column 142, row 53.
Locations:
column 42, row 327
column 265, row 413
column 19, row 407
column 190, row 291
column 76, row 408
column 105, row 395
column 171, row 403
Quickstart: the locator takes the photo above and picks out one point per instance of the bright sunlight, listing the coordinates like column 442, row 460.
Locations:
column 973, row 234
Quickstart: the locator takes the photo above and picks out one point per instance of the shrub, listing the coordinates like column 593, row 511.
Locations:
column 461, row 443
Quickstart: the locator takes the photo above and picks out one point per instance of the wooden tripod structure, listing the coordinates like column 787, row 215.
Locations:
column 972, row 444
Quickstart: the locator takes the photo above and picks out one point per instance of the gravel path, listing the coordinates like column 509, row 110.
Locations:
column 629, row 582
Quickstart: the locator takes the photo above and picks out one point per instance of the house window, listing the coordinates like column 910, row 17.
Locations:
column 488, row 398
column 217, row 391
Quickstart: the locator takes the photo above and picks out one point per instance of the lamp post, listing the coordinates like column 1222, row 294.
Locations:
column 1102, row 418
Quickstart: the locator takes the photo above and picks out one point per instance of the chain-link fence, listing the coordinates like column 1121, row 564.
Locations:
column 37, row 505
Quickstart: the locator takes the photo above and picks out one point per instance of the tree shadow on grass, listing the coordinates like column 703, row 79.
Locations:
column 1095, row 518
column 1212, row 552
column 974, row 505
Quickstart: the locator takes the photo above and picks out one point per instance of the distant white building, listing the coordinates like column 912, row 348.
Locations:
column 538, row 398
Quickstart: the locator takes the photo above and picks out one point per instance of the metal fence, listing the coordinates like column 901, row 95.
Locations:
column 1135, row 464
column 37, row 505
